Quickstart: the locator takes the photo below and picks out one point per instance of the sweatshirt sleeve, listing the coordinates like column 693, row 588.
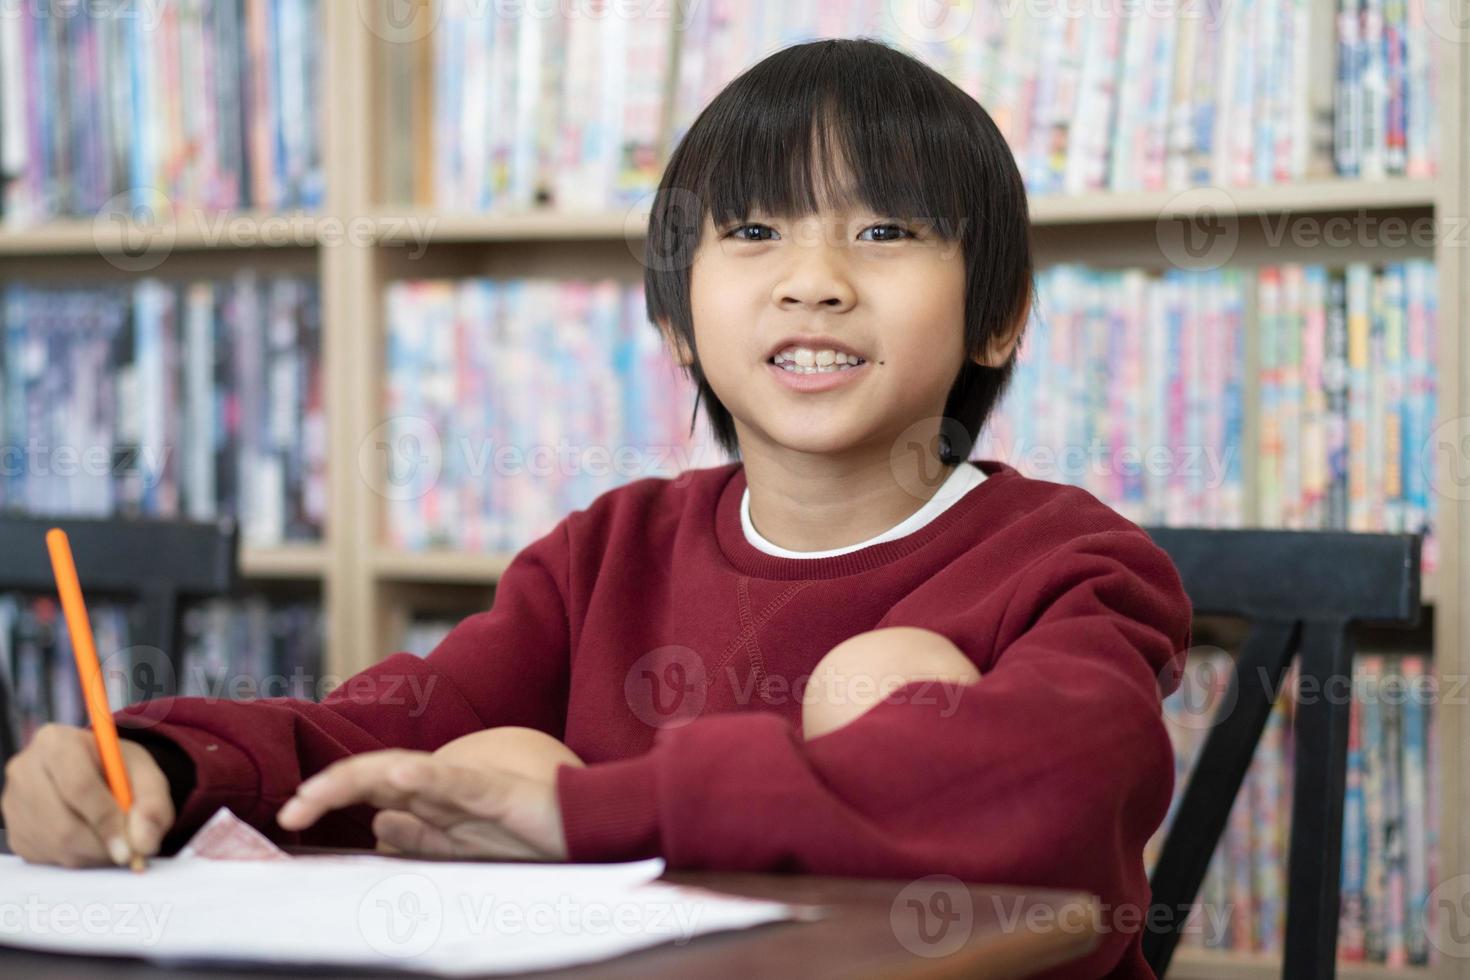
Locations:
column 1052, row 770
column 504, row 666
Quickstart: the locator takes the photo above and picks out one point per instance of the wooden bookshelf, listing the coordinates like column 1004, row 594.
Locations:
column 1396, row 194
column 191, row 229
column 163, row 230
column 357, row 246
column 1104, row 229
column 307, row 562
column 451, row 567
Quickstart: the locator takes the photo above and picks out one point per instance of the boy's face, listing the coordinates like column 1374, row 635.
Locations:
column 885, row 287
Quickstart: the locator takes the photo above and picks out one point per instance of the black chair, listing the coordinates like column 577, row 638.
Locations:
column 1297, row 590
column 154, row 562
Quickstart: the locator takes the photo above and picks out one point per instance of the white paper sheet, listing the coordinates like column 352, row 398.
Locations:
column 365, row 910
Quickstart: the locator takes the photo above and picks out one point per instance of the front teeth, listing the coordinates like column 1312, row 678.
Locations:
column 803, row 360
column 828, row 369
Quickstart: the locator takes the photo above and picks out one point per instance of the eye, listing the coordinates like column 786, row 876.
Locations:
column 735, row 232
column 903, row 232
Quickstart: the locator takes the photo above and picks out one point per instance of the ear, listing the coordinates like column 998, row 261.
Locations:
column 999, row 349
column 675, row 343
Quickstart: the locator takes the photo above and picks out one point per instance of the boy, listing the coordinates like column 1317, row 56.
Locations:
column 851, row 652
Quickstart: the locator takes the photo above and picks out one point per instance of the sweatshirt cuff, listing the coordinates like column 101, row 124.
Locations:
column 223, row 774
column 609, row 810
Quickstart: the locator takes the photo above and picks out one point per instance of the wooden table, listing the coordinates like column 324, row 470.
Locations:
column 934, row 928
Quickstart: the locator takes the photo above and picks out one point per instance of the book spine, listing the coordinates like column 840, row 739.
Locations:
column 1417, row 817
column 1351, row 919
column 1375, row 879
column 1349, row 104
column 1268, row 299
column 1289, row 337
column 1359, row 325
column 1394, row 948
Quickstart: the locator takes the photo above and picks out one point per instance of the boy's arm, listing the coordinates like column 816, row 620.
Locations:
column 504, row 666
column 1052, row 770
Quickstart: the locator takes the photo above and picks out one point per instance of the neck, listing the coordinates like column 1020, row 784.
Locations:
column 810, row 502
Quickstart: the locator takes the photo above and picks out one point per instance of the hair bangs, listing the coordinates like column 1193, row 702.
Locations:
column 814, row 127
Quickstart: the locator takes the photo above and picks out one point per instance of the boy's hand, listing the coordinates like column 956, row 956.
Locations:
column 438, row 808
column 58, row 808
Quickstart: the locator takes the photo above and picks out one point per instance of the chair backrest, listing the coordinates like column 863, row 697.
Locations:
column 155, row 562
column 1297, row 591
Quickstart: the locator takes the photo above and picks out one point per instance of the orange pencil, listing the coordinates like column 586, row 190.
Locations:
column 90, row 672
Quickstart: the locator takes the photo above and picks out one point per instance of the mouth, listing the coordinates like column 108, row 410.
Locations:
column 813, row 350
column 805, row 361
column 795, row 377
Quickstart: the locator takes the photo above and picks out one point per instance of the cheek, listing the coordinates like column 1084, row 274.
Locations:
column 938, row 298
column 725, row 307
column 932, row 344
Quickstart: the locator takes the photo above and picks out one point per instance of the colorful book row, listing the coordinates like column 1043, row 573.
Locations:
column 569, row 111
column 1134, row 385
column 1390, row 822
column 143, row 109
column 194, row 399
column 510, row 403
column 241, row 647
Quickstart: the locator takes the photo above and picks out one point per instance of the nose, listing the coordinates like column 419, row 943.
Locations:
column 814, row 278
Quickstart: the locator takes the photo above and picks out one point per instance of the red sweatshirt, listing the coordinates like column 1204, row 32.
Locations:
column 670, row 654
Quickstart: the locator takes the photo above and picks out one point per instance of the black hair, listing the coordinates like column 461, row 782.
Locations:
column 917, row 145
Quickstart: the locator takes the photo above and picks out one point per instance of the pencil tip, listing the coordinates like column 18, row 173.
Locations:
column 137, row 863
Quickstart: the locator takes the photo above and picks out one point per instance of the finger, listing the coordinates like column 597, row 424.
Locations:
column 419, row 794
column 408, row 834
column 74, row 766
column 445, row 788
column 357, row 779
column 68, row 840
column 153, row 806
column 19, row 817
column 411, row 835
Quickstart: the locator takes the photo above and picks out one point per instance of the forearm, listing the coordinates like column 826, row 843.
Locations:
column 251, row 755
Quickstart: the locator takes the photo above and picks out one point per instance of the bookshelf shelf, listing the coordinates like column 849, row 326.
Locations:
column 1305, row 196
column 493, row 226
column 302, row 561
column 195, row 229
column 440, row 566
column 190, row 229
column 1146, row 206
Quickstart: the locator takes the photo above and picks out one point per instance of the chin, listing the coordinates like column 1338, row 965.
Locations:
column 814, row 440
